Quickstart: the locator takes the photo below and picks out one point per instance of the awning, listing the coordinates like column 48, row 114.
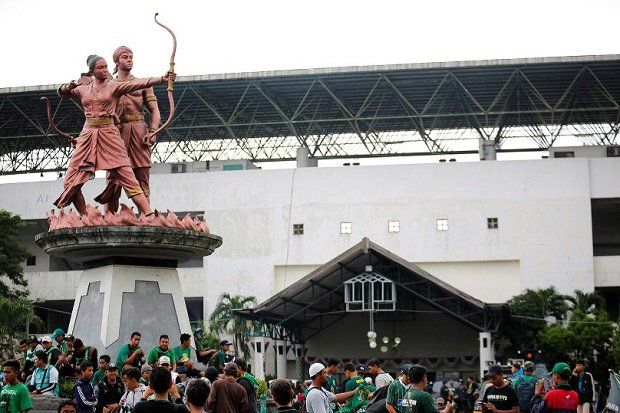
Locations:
column 317, row 301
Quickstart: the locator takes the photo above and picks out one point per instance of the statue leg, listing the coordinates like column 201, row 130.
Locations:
column 79, row 203
column 142, row 175
column 128, row 180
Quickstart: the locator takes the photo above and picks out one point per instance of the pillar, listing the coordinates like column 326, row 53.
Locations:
column 259, row 345
column 487, row 351
column 280, row 349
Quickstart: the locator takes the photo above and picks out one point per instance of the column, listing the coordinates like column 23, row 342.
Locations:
column 259, row 358
column 280, row 348
column 487, row 351
column 299, row 361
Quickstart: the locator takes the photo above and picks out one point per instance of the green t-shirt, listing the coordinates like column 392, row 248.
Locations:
column 220, row 358
column 180, row 352
column 97, row 377
column 331, row 385
column 15, row 399
column 418, row 401
column 156, row 353
column 62, row 346
column 123, row 354
column 395, row 395
column 353, row 382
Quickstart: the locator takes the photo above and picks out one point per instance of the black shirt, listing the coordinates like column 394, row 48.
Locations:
column 108, row 393
column 159, row 406
column 504, row 398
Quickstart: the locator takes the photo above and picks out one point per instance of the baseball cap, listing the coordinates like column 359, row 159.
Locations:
column 493, row 370
column 58, row 332
column 111, row 366
column 561, row 368
column 360, row 368
column 46, row 339
column 145, row 367
column 231, row 369
column 163, row 360
column 404, row 368
column 315, row 369
column 225, row 343
column 529, row 366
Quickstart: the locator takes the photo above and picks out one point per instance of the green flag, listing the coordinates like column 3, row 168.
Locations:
column 613, row 401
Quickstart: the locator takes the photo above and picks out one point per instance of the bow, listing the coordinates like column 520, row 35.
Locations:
column 53, row 125
column 170, row 81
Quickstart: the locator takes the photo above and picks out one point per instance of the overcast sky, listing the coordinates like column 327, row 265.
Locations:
column 47, row 41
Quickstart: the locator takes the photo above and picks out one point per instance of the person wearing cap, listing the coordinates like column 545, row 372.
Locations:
column 109, row 391
column 104, row 360
column 228, row 396
column 499, row 396
column 130, row 354
column 162, row 350
column 162, row 389
column 560, row 399
column 415, row 399
column 524, row 386
column 397, row 389
column 134, row 388
column 382, row 378
column 583, row 383
column 282, row 394
column 145, row 374
column 318, row 399
column 45, row 377
column 219, row 359
column 53, row 353
column 164, row 361
column 59, row 337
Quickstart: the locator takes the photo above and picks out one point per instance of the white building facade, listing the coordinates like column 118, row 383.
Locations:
column 491, row 229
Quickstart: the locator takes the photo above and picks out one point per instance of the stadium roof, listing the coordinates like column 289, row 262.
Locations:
column 390, row 110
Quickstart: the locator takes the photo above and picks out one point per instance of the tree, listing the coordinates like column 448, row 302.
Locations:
column 530, row 313
column 586, row 302
column 16, row 314
column 223, row 319
column 12, row 255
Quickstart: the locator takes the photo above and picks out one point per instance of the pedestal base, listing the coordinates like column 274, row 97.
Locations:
column 113, row 301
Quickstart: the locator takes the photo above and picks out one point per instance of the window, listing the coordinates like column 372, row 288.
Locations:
column 298, row 229
column 442, row 224
column 345, row 227
column 32, row 260
column 394, row 226
column 492, row 223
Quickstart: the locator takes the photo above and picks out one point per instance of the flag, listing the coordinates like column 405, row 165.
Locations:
column 613, row 401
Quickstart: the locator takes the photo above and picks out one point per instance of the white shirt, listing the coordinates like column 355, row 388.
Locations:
column 383, row 379
column 131, row 397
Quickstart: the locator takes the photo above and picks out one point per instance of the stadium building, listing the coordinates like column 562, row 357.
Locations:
column 424, row 255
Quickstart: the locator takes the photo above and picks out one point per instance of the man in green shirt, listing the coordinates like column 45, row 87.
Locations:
column 130, row 354
column 220, row 356
column 14, row 397
column 183, row 353
column 162, row 350
column 416, row 400
column 333, row 366
column 59, row 337
column 100, row 374
column 353, row 379
column 397, row 389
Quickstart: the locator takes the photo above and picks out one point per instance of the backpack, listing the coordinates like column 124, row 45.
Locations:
column 304, row 408
column 525, row 392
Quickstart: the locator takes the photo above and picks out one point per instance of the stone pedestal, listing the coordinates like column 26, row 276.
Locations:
column 130, row 281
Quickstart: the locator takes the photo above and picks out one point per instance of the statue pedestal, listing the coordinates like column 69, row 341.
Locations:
column 130, row 283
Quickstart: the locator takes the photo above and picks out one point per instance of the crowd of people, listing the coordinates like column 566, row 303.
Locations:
column 165, row 379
